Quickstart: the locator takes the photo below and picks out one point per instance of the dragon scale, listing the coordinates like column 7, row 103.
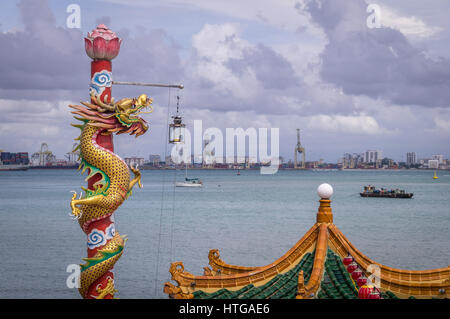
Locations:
column 115, row 177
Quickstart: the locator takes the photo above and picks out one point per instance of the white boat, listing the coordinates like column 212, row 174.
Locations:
column 189, row 182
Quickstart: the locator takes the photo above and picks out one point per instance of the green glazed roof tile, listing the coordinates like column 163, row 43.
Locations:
column 281, row 286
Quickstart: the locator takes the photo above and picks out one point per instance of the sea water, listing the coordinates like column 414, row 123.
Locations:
column 252, row 219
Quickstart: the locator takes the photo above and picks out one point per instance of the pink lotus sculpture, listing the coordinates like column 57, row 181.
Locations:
column 102, row 43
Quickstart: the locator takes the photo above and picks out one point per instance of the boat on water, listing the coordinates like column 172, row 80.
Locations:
column 189, row 182
column 14, row 161
column 371, row 191
column 13, row 167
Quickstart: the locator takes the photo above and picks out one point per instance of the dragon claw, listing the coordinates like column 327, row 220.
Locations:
column 76, row 212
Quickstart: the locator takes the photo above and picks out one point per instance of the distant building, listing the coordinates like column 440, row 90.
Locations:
column 372, row 156
column 154, row 159
column 439, row 158
column 411, row 158
column 168, row 160
column 433, row 163
column 352, row 160
column 134, row 160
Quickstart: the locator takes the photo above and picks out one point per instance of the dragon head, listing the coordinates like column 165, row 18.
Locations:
column 120, row 117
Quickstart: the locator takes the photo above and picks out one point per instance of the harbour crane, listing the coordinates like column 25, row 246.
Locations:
column 299, row 149
column 43, row 156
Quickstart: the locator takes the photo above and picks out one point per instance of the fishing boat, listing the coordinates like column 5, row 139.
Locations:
column 371, row 191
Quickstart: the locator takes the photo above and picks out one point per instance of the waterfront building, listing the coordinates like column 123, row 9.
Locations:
column 134, row 161
column 371, row 156
column 323, row 264
column 433, row 163
column 439, row 158
column 411, row 158
column 154, row 159
column 354, row 160
column 168, row 160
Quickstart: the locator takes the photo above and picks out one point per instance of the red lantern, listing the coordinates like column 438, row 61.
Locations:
column 352, row 267
column 361, row 281
column 356, row 274
column 374, row 294
column 347, row 260
column 364, row 292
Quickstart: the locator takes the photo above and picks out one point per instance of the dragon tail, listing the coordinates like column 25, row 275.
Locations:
column 98, row 266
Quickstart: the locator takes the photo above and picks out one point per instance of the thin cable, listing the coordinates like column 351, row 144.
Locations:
column 173, row 195
column 173, row 213
column 162, row 196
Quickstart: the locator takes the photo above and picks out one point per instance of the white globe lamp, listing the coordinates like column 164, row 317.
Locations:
column 325, row 191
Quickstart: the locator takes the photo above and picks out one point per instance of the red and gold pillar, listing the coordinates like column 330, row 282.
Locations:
column 102, row 45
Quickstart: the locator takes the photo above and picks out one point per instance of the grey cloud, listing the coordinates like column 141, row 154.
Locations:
column 106, row 20
column 273, row 72
column 270, row 68
column 379, row 63
column 49, row 62
column 151, row 56
column 43, row 56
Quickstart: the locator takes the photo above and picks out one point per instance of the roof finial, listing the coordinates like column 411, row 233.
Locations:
column 325, row 214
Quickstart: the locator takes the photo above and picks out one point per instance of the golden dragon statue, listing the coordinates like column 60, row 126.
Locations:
column 109, row 185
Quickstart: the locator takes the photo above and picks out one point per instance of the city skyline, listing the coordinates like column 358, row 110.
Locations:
column 261, row 64
column 367, row 159
column 148, row 157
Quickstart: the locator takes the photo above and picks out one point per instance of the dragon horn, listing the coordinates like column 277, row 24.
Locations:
column 109, row 107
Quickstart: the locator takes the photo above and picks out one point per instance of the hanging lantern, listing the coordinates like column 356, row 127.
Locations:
column 361, row 281
column 352, row 267
column 176, row 129
column 375, row 294
column 347, row 260
column 364, row 292
column 356, row 274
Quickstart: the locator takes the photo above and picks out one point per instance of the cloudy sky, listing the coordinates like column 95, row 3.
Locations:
column 309, row 64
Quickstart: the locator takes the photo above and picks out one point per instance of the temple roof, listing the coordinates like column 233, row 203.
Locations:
column 322, row 264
